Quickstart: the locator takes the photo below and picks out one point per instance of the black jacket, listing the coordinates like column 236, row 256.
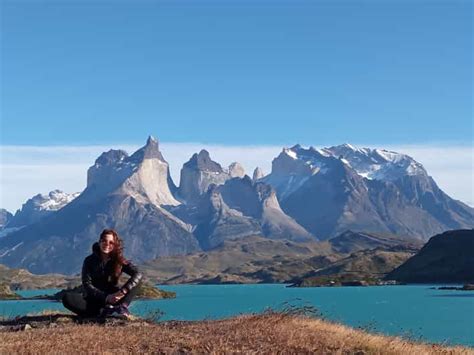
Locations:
column 96, row 276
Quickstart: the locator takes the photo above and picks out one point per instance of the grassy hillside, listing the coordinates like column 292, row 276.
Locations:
column 269, row 333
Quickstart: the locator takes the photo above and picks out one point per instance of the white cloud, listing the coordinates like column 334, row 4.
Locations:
column 28, row 170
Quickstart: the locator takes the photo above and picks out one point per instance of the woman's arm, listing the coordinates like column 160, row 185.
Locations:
column 135, row 277
column 91, row 290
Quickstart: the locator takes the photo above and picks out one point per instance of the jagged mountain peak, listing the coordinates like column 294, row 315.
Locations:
column 257, row 174
column 151, row 140
column 198, row 174
column 378, row 164
column 143, row 175
column 150, row 150
column 53, row 201
column 311, row 155
column 40, row 206
column 111, row 157
column 373, row 164
column 362, row 188
column 236, row 170
column 202, row 161
column 295, row 166
column 5, row 217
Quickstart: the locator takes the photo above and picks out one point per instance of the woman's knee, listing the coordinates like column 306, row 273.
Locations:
column 67, row 299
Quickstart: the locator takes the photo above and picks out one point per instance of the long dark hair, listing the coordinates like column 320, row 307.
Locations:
column 116, row 255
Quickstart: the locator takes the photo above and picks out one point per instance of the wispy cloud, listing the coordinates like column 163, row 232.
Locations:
column 28, row 170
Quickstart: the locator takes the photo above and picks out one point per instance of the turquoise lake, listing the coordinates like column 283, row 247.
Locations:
column 415, row 312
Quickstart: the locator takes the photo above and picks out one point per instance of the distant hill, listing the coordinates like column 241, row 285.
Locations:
column 257, row 259
column 350, row 241
column 446, row 258
column 364, row 267
column 247, row 260
column 20, row 279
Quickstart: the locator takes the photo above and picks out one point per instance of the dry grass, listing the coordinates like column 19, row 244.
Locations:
column 268, row 333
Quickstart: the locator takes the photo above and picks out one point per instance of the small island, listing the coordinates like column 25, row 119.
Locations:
column 7, row 294
column 145, row 291
column 342, row 280
column 466, row 287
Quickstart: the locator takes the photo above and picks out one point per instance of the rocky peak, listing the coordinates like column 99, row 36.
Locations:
column 198, row 174
column 236, row 170
column 257, row 174
column 378, row 164
column 5, row 217
column 149, row 151
column 151, row 180
column 294, row 166
column 40, row 206
column 143, row 175
column 111, row 157
column 53, row 201
column 202, row 161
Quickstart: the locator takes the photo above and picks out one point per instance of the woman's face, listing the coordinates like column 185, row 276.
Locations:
column 107, row 244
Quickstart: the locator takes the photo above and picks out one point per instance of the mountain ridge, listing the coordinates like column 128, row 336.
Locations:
column 310, row 193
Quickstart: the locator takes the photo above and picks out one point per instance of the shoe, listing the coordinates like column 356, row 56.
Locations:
column 123, row 312
column 107, row 311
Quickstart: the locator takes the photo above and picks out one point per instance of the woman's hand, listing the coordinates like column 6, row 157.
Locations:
column 114, row 297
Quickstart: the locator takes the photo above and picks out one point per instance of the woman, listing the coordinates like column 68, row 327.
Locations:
column 100, row 274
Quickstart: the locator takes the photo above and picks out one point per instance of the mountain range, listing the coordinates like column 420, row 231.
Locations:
column 311, row 194
column 330, row 190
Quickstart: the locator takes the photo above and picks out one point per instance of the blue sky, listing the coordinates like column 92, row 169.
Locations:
column 236, row 72
column 240, row 78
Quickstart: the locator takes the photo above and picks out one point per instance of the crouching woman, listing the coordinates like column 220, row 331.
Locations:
column 101, row 271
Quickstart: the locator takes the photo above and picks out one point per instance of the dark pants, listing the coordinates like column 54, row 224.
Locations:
column 89, row 307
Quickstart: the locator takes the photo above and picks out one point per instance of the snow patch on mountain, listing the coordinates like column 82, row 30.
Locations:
column 54, row 201
column 10, row 250
column 377, row 164
column 290, row 153
column 294, row 166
